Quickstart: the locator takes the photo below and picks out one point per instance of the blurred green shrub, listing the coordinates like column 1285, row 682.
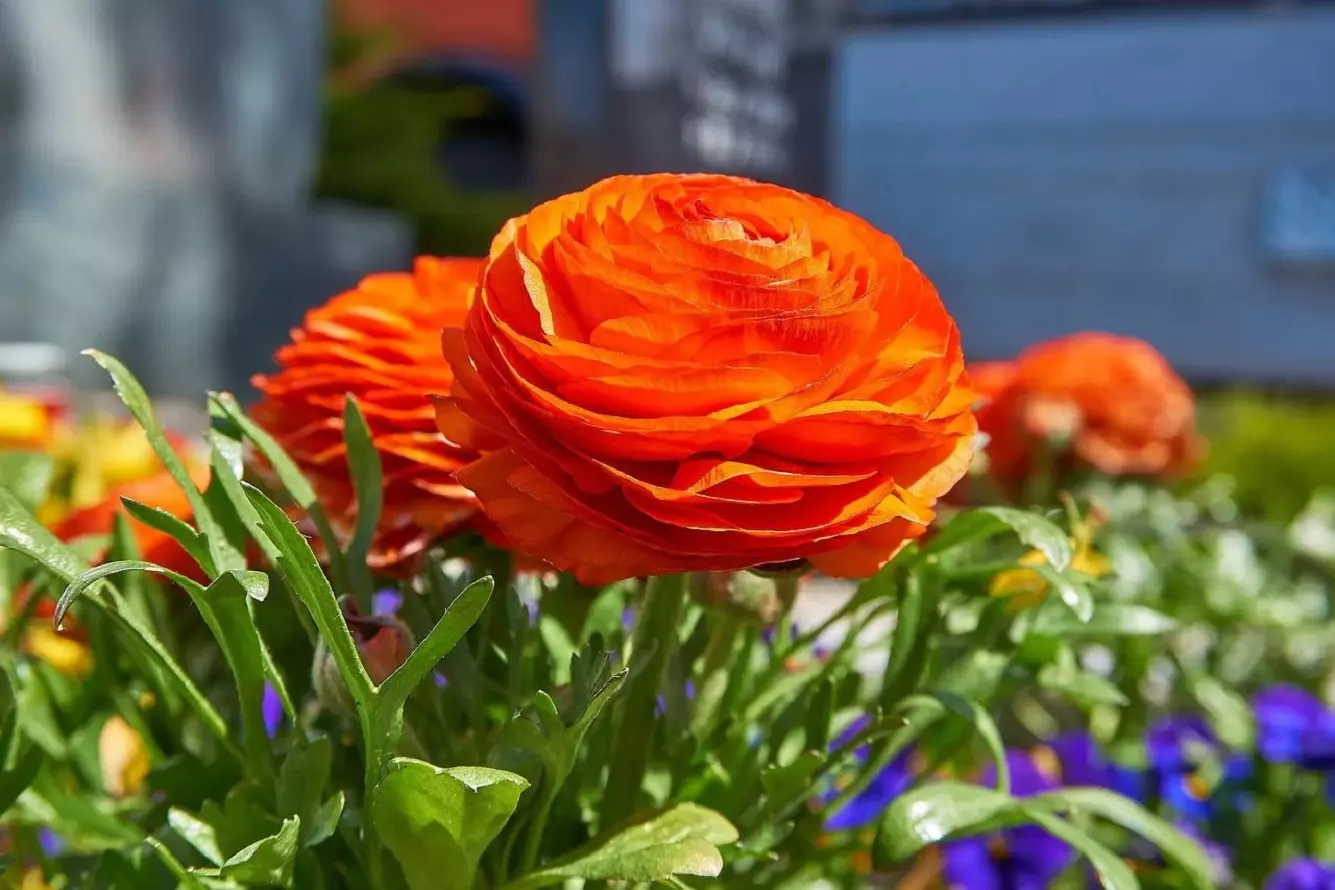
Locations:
column 1278, row 449
column 381, row 149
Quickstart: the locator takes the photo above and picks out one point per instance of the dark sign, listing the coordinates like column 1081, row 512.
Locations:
column 637, row 86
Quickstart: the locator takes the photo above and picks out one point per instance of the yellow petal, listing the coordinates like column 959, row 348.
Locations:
column 23, row 421
column 66, row 655
column 33, row 880
column 124, row 758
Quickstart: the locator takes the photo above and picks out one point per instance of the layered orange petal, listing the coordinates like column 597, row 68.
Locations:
column 670, row 373
column 379, row 343
column 1114, row 402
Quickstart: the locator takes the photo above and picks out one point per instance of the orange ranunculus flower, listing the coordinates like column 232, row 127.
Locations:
column 1112, row 403
column 669, row 373
column 380, row 343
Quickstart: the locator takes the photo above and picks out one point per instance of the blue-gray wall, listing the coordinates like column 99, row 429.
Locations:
column 1103, row 171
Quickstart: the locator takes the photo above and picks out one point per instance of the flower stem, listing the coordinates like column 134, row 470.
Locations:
column 654, row 642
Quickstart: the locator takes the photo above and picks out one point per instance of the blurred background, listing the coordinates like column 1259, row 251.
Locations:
column 181, row 179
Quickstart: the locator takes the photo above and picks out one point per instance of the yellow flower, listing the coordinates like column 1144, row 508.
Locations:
column 124, row 758
column 67, row 655
column 107, row 453
column 1026, row 588
column 34, row 880
column 24, row 422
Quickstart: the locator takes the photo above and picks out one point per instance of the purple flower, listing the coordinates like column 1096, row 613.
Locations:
column 386, row 602
column 272, row 709
column 1022, row 858
column 1081, row 763
column 1303, row 874
column 52, row 844
column 440, row 679
column 868, row 804
column 1174, row 742
column 1284, row 716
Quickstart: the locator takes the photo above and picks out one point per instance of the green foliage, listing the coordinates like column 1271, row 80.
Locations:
column 557, row 743
column 1275, row 449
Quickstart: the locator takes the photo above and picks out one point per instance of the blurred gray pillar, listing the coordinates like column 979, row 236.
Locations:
column 162, row 152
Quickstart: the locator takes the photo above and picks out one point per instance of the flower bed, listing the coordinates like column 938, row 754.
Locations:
column 658, row 547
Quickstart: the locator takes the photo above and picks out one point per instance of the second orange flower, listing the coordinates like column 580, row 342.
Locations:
column 380, row 343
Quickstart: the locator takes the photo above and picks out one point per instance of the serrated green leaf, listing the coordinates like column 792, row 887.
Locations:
column 438, row 822
column 223, row 555
column 683, row 840
column 293, row 480
column 297, row 564
column 980, row 523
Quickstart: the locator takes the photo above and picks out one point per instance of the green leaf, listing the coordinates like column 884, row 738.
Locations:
column 225, row 494
column 919, row 613
column 368, row 485
column 683, row 840
column 225, row 608
column 198, row 833
column 1108, row 620
column 981, row 523
column 1227, row 710
column 302, row 781
column 656, row 632
column 324, row 821
column 1074, row 594
column 461, row 615
column 1180, row 849
column 438, row 822
column 786, row 785
column 1112, row 872
column 290, row 475
column 27, row 475
column 20, row 532
column 1083, row 689
column 223, row 556
column 267, row 861
column 933, row 813
column 297, row 565
column 16, row 777
column 982, row 723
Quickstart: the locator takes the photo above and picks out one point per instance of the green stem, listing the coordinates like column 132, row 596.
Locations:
column 656, row 632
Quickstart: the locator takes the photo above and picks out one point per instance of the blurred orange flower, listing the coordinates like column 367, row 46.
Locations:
column 380, row 343
column 157, row 490
column 669, row 373
column 1113, row 403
